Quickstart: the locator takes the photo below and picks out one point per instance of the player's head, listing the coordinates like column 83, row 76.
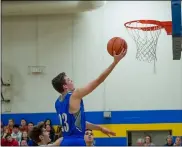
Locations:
column 89, row 137
column 62, row 83
column 39, row 134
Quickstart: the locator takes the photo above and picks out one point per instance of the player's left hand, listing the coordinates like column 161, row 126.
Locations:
column 108, row 132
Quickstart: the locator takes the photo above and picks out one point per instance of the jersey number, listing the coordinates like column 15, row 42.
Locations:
column 64, row 123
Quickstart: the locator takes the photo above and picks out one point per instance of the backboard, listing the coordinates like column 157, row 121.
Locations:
column 176, row 28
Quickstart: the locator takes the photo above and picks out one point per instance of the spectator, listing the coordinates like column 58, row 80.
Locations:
column 9, row 141
column 5, row 132
column 177, row 141
column 16, row 134
column 30, row 126
column 10, row 125
column 2, row 129
column 148, row 141
column 23, row 143
column 24, row 135
column 169, row 141
column 51, row 132
column 89, row 138
column 23, row 126
column 49, row 122
column 26, row 138
column 140, row 142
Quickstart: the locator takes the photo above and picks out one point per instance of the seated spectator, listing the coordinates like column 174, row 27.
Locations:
column 58, row 132
column 169, row 141
column 178, row 141
column 49, row 122
column 23, row 143
column 16, row 134
column 25, row 137
column 89, row 138
column 5, row 132
column 9, row 141
column 51, row 132
column 23, row 126
column 140, row 142
column 10, row 125
column 30, row 126
column 148, row 141
column 2, row 130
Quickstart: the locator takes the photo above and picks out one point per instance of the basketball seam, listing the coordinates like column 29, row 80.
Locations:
column 113, row 44
column 121, row 46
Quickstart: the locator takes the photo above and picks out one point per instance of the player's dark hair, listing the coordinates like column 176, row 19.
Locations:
column 36, row 132
column 58, row 82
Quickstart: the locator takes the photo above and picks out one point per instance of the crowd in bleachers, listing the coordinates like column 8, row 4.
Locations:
column 15, row 134
column 147, row 141
column 18, row 135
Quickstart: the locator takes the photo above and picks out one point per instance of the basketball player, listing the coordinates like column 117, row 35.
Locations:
column 70, row 108
column 89, row 137
column 41, row 137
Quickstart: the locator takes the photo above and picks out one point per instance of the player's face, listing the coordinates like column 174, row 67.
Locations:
column 89, row 137
column 69, row 84
column 45, row 137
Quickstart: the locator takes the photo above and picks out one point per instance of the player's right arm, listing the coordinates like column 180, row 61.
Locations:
column 79, row 93
column 57, row 142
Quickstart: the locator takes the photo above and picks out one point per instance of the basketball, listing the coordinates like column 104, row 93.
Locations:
column 116, row 44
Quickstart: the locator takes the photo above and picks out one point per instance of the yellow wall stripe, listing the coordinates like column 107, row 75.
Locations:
column 121, row 129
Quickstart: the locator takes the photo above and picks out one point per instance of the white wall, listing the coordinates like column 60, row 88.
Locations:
column 76, row 44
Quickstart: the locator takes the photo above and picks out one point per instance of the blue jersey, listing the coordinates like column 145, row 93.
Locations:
column 73, row 125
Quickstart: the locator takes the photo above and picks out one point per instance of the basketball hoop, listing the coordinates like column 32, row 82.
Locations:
column 145, row 33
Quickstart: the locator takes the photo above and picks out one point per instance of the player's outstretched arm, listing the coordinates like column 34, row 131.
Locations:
column 79, row 93
column 57, row 142
column 93, row 126
column 106, row 131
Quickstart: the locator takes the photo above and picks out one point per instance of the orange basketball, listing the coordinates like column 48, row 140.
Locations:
column 116, row 44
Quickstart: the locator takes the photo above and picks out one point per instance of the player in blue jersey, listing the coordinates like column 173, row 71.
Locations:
column 70, row 108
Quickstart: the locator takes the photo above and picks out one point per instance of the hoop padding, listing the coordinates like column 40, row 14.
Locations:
column 145, row 33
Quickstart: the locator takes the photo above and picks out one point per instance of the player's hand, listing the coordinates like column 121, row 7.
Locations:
column 108, row 132
column 117, row 58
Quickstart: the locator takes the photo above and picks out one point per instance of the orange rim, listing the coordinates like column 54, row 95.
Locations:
column 167, row 25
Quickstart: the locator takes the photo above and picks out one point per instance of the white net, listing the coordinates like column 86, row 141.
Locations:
column 146, row 37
